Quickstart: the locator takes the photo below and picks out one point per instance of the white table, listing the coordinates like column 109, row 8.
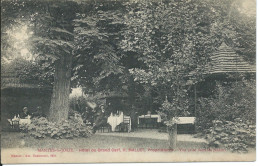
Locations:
column 17, row 122
column 25, row 121
column 186, row 120
column 115, row 120
column 182, row 120
column 158, row 117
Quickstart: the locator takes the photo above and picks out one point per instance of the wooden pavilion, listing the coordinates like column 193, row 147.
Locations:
column 223, row 63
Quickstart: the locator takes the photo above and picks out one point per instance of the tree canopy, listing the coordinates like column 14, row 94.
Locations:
column 127, row 46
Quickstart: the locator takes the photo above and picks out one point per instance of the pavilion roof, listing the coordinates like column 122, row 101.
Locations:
column 226, row 60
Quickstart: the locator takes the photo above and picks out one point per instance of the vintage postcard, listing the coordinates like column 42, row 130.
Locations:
column 101, row 81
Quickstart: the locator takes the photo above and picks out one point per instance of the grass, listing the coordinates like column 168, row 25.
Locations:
column 19, row 140
column 97, row 142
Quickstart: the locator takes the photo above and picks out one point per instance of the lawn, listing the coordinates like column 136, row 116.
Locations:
column 18, row 144
column 19, row 140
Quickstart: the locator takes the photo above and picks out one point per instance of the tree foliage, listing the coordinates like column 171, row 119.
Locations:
column 98, row 30
column 137, row 47
column 173, row 40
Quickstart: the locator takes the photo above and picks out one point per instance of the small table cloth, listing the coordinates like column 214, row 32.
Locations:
column 115, row 120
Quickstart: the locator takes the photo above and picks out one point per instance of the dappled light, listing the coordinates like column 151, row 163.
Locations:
column 19, row 40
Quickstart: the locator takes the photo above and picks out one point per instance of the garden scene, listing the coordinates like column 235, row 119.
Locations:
column 133, row 74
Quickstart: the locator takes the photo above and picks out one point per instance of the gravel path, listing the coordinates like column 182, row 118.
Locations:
column 153, row 134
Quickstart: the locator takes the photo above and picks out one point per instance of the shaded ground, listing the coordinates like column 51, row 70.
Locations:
column 99, row 140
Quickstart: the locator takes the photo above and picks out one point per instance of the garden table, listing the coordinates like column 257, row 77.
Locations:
column 17, row 121
column 182, row 120
column 115, row 120
column 154, row 120
column 25, row 121
column 186, row 120
column 155, row 116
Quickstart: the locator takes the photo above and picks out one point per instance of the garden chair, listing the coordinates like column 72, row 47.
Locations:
column 142, row 123
column 15, row 126
column 125, row 125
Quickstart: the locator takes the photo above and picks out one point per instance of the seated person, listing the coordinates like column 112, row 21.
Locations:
column 101, row 119
column 88, row 116
column 25, row 113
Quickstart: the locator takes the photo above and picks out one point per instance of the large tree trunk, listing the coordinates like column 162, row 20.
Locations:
column 59, row 107
column 172, row 136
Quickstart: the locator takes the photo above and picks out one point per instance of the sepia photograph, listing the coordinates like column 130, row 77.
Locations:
column 122, row 81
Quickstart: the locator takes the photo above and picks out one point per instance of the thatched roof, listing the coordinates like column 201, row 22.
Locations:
column 226, row 60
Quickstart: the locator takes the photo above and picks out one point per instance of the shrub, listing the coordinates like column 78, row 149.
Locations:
column 41, row 128
column 235, row 136
column 236, row 100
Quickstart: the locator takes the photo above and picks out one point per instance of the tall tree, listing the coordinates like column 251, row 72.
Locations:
column 62, row 39
column 51, row 22
column 172, row 38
